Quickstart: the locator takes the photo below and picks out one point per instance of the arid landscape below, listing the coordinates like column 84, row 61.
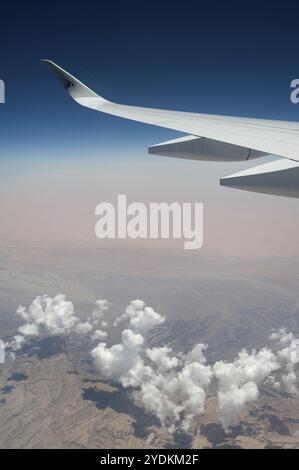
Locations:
column 53, row 396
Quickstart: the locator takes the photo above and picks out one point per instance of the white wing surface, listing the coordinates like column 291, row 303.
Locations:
column 210, row 137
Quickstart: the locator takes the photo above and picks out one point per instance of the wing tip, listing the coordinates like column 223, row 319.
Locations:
column 76, row 89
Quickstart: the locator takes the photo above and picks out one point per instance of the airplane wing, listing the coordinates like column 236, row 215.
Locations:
column 211, row 137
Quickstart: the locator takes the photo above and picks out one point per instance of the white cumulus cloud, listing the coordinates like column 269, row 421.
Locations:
column 172, row 386
column 141, row 318
column 55, row 316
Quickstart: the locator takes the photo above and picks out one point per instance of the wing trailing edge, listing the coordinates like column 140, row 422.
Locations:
column 198, row 148
column 279, row 177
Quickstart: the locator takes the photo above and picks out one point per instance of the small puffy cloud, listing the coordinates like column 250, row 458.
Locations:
column 16, row 343
column 83, row 328
column 162, row 357
column 116, row 361
column 56, row 316
column 138, row 374
column 289, row 381
column 282, row 336
column 232, row 401
column 195, row 379
column 290, row 353
column 197, row 354
column 101, row 307
column 238, row 381
column 288, row 356
column 29, row 329
column 99, row 335
column 254, row 366
column 158, row 398
column 141, row 318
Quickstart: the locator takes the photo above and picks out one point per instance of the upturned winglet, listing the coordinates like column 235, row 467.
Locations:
column 76, row 89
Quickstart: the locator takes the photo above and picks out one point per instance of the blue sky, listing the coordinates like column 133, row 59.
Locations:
column 228, row 58
column 59, row 160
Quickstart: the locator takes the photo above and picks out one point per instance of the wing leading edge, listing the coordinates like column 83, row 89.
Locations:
column 211, row 137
